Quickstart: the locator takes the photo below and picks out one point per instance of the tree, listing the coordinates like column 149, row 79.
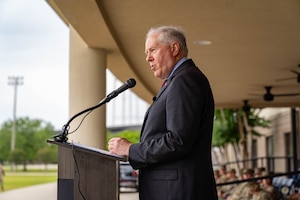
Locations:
column 18, row 156
column 132, row 136
column 31, row 135
column 47, row 155
column 226, row 131
column 5, row 137
column 232, row 126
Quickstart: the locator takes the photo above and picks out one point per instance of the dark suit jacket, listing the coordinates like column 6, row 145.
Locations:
column 174, row 153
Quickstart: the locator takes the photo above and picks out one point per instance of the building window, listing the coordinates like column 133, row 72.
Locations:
column 288, row 144
column 254, row 153
column 270, row 153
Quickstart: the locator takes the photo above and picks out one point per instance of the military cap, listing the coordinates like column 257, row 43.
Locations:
column 248, row 171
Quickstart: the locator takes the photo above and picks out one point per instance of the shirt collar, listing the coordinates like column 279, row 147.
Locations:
column 177, row 65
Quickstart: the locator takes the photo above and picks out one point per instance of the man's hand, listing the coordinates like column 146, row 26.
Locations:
column 119, row 146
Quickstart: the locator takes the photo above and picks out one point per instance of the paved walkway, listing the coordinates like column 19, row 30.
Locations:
column 46, row 191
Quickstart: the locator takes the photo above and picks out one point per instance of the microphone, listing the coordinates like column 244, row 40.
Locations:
column 62, row 137
column 128, row 84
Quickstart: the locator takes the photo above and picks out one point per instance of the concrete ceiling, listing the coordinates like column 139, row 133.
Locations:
column 254, row 43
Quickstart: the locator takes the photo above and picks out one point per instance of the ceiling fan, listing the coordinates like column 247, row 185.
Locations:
column 289, row 78
column 268, row 96
column 246, row 107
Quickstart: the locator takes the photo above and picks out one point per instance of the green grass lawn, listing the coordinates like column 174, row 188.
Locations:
column 19, row 179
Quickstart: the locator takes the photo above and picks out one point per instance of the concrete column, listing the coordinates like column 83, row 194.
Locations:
column 87, row 87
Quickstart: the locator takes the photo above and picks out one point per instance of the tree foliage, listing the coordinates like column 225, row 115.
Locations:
column 47, row 155
column 31, row 136
column 132, row 136
column 232, row 126
column 225, row 127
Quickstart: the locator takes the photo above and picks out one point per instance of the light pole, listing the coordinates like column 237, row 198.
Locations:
column 15, row 81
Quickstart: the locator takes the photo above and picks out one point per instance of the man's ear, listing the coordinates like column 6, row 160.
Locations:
column 175, row 48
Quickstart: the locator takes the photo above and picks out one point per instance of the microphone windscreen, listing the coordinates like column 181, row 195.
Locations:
column 131, row 83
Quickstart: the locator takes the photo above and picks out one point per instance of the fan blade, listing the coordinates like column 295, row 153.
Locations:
column 255, row 94
column 294, row 71
column 288, row 94
column 284, row 79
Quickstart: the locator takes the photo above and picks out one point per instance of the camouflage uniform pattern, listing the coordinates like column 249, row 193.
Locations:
column 261, row 195
column 241, row 192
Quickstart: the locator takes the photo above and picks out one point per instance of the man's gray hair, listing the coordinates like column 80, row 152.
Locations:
column 169, row 34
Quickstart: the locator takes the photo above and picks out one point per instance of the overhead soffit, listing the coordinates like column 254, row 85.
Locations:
column 254, row 43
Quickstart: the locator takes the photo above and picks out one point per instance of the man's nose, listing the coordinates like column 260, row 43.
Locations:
column 148, row 57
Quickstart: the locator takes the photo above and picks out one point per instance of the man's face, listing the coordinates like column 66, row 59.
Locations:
column 159, row 56
column 247, row 176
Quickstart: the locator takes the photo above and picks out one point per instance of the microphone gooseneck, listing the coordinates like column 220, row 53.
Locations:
column 128, row 84
column 62, row 137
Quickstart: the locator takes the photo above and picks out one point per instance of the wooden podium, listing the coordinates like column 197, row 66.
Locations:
column 86, row 173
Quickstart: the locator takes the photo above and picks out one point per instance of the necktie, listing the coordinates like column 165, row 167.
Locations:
column 164, row 83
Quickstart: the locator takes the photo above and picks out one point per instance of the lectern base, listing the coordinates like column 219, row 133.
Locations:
column 65, row 189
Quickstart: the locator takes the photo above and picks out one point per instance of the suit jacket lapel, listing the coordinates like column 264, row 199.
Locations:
column 187, row 63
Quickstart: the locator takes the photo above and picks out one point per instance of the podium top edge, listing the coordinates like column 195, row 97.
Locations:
column 89, row 149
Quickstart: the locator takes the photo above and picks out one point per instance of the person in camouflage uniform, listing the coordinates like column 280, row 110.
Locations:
column 222, row 178
column 241, row 192
column 266, row 184
column 257, row 193
column 222, row 174
column 224, row 190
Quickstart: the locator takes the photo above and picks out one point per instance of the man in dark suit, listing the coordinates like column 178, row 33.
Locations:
column 174, row 153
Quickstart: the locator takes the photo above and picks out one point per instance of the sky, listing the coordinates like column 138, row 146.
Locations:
column 34, row 44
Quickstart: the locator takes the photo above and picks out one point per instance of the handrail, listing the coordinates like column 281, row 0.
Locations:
column 258, row 178
column 267, row 162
